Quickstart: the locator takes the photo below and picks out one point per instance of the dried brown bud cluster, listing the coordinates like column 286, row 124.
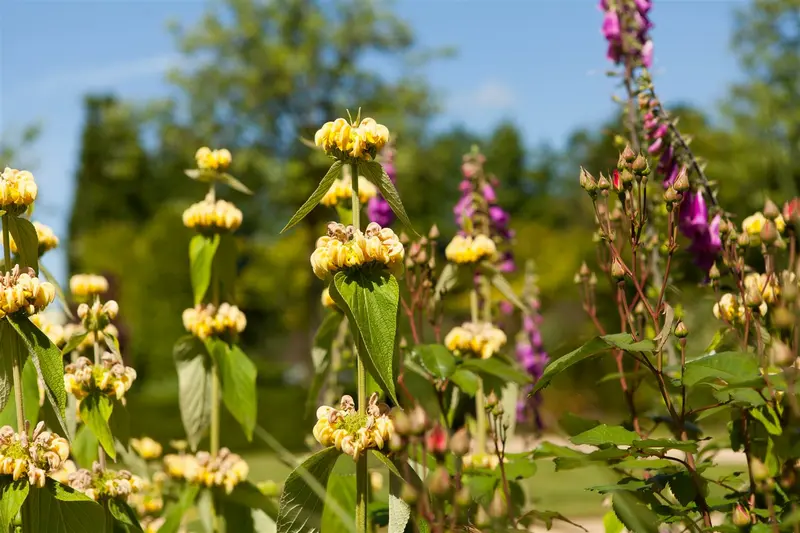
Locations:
column 34, row 458
column 204, row 321
column 23, row 292
column 225, row 470
column 351, row 432
column 111, row 377
column 99, row 484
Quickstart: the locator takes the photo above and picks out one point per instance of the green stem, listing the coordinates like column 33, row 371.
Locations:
column 362, row 475
column 480, row 399
column 101, row 453
column 15, row 363
column 214, row 435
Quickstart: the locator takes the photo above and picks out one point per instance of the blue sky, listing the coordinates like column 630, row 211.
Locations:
column 540, row 63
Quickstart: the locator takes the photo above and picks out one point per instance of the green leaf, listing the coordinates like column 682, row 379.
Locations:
column 374, row 172
column 24, row 234
column 238, row 518
column 494, row 366
column 773, row 426
column 74, row 342
column 547, row 518
column 592, row 348
column 421, row 391
column 370, row 298
column 95, row 411
column 123, row 514
column 205, row 510
column 448, row 279
column 247, row 494
column 201, row 258
column 399, row 510
column 466, row 380
column 233, row 183
column 603, row 435
column 12, row 496
column 120, row 422
column 727, row 366
column 636, row 516
column 194, row 383
column 500, row 283
column 84, row 447
column 683, row 487
column 30, row 399
column 301, row 507
column 686, row 446
column 112, row 343
column 48, row 360
column 237, row 375
column 12, row 346
column 437, row 360
column 324, row 186
column 57, row 508
column 174, row 513
column 341, row 488
column 611, row 523
column 574, row 424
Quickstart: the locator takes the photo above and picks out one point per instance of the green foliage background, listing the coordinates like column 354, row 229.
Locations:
column 260, row 75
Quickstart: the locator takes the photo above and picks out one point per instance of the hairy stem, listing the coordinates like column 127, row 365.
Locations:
column 98, row 356
column 362, row 475
column 16, row 371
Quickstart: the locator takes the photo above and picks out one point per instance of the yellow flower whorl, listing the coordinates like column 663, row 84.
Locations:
column 213, row 217
column 208, row 159
column 348, row 141
column 350, row 432
column 345, row 247
column 207, row 321
column 111, row 377
column 147, row 448
column 24, row 292
column 468, row 249
column 342, row 191
column 18, row 190
column 482, row 339
column 33, row 457
column 83, row 286
column 226, row 470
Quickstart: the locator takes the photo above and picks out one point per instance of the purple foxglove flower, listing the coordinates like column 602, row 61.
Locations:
column 378, row 210
column 611, row 30
column 499, row 216
column 693, row 214
column 647, row 53
column 489, row 194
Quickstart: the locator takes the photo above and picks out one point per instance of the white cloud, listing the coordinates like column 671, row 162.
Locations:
column 491, row 95
column 104, row 76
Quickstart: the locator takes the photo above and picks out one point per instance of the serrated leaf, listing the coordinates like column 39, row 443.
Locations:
column 494, row 366
column 194, row 383
column 683, row 488
column 324, row 186
column 234, row 183
column 27, row 241
column 466, row 380
column 727, row 366
column 74, row 342
column 48, row 361
column 399, row 510
column 547, row 518
column 57, row 508
column 201, row 258
column 237, row 375
column 95, row 411
column 604, row 435
column 12, row 496
column 123, row 514
column 341, row 488
column 30, row 399
column 374, row 172
column 301, row 507
column 636, row 516
column 174, row 513
column 437, row 360
column 370, row 298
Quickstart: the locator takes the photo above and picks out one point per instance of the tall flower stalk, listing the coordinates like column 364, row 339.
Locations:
column 531, row 352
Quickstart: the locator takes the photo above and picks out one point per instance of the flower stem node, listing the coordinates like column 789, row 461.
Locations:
column 111, row 377
column 34, row 457
column 23, row 292
column 348, row 142
column 468, row 249
column 225, row 470
column 209, row 217
column 208, row 159
column 346, row 247
column 342, row 191
column 352, row 432
column 99, row 484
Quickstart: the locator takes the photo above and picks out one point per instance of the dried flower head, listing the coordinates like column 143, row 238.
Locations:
column 209, row 216
column 110, row 377
column 84, row 286
column 345, row 247
column 342, row 191
column 35, row 457
column 204, row 321
column 346, row 141
column 47, row 239
column 481, row 339
column 351, row 432
column 467, row 249
column 208, row 159
column 21, row 291
column 225, row 470
column 99, row 484
column 17, row 190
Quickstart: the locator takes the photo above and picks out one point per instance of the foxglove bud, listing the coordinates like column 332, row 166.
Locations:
column 771, row 210
column 418, row 420
column 439, row 482
column 588, row 182
column 459, row 444
column 402, row 422
column 409, row 494
column 681, row 183
column 740, row 517
column 681, row 331
column 780, row 354
column 670, row 197
column 436, row 441
column 627, row 178
column 769, row 233
column 640, row 166
column 628, row 155
column 713, row 272
column 617, row 270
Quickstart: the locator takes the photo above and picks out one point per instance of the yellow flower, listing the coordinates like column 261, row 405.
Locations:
column 18, row 190
column 347, row 141
column 83, row 286
column 351, row 432
column 206, row 321
column 213, row 217
column 729, row 308
column 327, row 301
column 147, row 448
column 36, row 456
column 466, row 249
column 345, row 247
column 753, row 224
column 759, row 281
column 47, row 239
column 208, row 159
column 482, row 339
column 342, row 190
column 111, row 377
column 24, row 292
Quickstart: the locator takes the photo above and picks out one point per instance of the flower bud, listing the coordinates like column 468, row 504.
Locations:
column 396, row 443
column 640, row 166
column 459, row 444
column 769, row 233
column 376, row 481
column 111, row 309
column 724, row 227
column 418, row 420
column 588, row 182
column 780, row 354
column 463, row 498
column 627, row 178
column 498, row 507
column 740, row 517
column 402, row 422
column 759, row 470
column 603, row 184
column 83, row 311
column 783, row 318
column 713, row 272
column 771, row 210
column 743, row 240
column 628, row 155
column 681, row 331
column 617, row 269
column 439, row 482
column 681, row 183
column 433, row 233
column 409, row 494
column 436, row 441
column 670, row 197
column 753, row 297
column 491, row 400
column 584, row 271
